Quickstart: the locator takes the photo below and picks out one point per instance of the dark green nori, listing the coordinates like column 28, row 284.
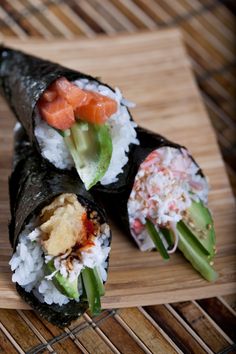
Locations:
column 60, row 316
column 115, row 195
column 32, row 186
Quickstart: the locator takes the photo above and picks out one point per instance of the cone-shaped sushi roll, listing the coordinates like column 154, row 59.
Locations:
column 60, row 237
column 161, row 200
column 73, row 119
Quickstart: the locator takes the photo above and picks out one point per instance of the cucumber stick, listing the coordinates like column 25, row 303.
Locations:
column 196, row 239
column 93, row 288
column 194, row 254
column 199, row 222
column 156, row 239
column 99, row 281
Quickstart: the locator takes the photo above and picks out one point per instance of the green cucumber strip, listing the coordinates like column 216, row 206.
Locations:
column 156, row 239
column 194, row 254
column 199, row 221
column 90, row 146
column 168, row 234
column 99, row 281
column 92, row 291
column 83, row 295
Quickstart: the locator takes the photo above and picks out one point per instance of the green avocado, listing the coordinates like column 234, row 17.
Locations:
column 67, row 288
column 199, row 222
column 90, row 146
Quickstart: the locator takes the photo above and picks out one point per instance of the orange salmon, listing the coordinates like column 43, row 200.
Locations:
column 58, row 113
column 63, row 101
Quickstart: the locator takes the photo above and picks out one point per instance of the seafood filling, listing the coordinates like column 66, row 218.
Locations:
column 167, row 182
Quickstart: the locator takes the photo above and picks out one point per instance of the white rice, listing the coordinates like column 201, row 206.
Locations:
column 28, row 260
column 164, row 187
column 52, row 145
column 122, row 131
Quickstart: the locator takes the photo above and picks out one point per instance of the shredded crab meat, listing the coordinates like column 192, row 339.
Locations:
column 164, row 187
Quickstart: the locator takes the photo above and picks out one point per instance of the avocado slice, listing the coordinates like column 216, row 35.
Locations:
column 200, row 223
column 67, row 288
column 90, row 146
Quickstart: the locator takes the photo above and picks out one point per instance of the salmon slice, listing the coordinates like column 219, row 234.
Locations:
column 58, row 113
column 110, row 105
column 63, row 100
column 70, row 92
column 97, row 109
column 49, row 95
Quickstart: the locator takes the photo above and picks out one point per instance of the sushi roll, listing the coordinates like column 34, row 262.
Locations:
column 60, row 239
column 72, row 119
column 161, row 201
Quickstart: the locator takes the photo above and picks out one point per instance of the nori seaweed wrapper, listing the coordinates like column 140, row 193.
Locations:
column 32, row 186
column 24, row 78
column 115, row 195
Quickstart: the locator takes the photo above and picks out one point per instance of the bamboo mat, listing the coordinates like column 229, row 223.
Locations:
column 205, row 326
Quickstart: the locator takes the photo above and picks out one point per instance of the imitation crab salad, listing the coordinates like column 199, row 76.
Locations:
column 167, row 208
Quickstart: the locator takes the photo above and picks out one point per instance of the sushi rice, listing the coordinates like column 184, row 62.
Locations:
column 164, row 187
column 28, row 261
column 122, row 131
